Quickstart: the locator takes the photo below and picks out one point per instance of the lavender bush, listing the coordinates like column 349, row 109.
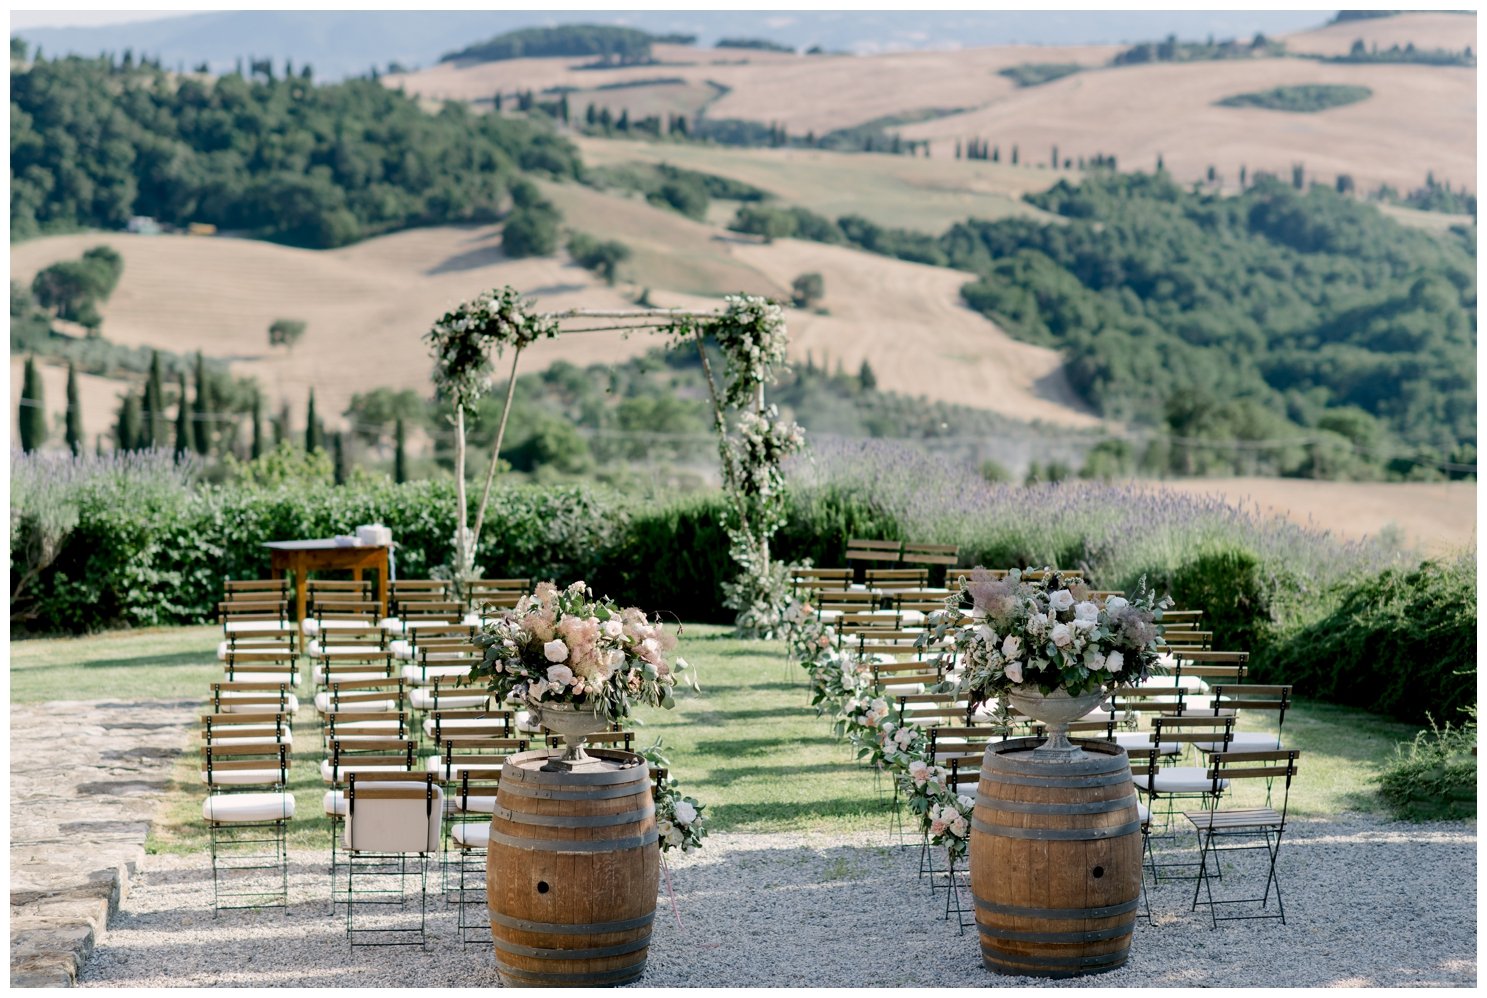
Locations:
column 1112, row 533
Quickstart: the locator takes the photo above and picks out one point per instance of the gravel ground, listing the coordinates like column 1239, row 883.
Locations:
column 1369, row 903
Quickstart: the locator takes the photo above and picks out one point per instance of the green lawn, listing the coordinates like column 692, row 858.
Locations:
column 748, row 746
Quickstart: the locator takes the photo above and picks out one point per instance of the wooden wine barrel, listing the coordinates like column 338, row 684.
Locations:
column 571, row 872
column 1055, row 860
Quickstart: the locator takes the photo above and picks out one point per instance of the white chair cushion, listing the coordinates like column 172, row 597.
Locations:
column 392, row 625
column 323, row 704
column 1143, row 812
column 252, row 738
column 435, row 764
column 423, row 699
column 311, row 626
column 221, row 651
column 473, row 804
column 228, row 704
column 258, row 626
column 318, row 648
column 347, row 674
column 242, row 777
column 1140, row 741
column 421, row 674
column 329, row 775
column 1157, row 681
column 430, row 729
column 400, row 649
column 247, row 807
column 1179, row 780
column 243, row 676
column 472, row 834
column 1243, row 741
column 902, row 689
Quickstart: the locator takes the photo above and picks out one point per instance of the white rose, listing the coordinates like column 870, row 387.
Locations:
column 1114, row 603
column 1094, row 661
column 1061, row 636
column 1060, row 600
column 967, row 802
column 663, row 827
column 1083, row 626
column 1086, row 611
column 685, row 813
column 986, row 634
column 555, row 650
column 675, row 837
column 1012, row 647
column 1013, row 671
column 560, row 675
column 613, row 628
column 1114, row 662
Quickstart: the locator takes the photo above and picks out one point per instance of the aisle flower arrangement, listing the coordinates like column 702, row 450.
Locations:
column 680, row 821
column 1047, row 635
column 565, row 646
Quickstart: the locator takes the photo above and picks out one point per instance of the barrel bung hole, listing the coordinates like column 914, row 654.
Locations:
column 1098, row 872
column 542, row 887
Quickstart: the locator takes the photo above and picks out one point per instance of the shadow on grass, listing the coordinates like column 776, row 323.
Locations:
column 784, row 771
column 748, row 817
column 206, row 659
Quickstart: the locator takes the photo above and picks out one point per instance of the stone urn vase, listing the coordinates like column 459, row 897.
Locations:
column 574, row 723
column 1056, row 710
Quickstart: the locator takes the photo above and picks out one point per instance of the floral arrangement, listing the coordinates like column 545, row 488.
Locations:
column 807, row 639
column 944, row 814
column 1047, row 634
column 566, row 646
column 461, row 340
column 680, row 822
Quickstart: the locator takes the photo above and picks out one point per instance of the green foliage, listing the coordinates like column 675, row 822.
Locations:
column 758, row 44
column 682, row 193
column 1407, row 53
column 285, row 333
column 614, row 45
column 94, row 143
column 286, row 466
column 1306, row 97
column 400, row 454
column 74, row 418
column 372, row 414
column 807, row 290
column 1228, row 585
column 1434, row 777
column 128, row 429
column 73, row 289
column 1402, row 642
column 32, row 415
column 314, row 429
column 1030, row 74
column 531, row 228
column 603, row 257
column 1172, row 50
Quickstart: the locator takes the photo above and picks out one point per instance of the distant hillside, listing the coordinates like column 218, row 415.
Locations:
column 613, row 45
column 271, row 156
column 346, row 43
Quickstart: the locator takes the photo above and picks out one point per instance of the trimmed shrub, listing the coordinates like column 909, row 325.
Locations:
column 1435, row 776
column 1226, row 584
column 1401, row 642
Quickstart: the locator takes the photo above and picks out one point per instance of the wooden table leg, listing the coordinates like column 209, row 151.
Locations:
column 298, row 565
column 382, row 582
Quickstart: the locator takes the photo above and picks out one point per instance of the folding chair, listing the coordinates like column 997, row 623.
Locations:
column 253, row 698
column 250, row 623
column 384, row 826
column 247, row 805
column 487, row 597
column 366, row 758
column 932, row 556
column 885, row 580
column 1167, row 784
column 449, row 693
column 864, row 552
column 267, row 666
column 266, row 728
column 408, row 593
column 803, row 580
column 1216, row 826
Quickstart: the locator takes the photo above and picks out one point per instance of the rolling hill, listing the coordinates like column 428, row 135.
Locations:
column 368, row 305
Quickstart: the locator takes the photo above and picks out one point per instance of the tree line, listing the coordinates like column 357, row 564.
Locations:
column 95, row 142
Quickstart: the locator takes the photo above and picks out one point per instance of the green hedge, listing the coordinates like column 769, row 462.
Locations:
column 1401, row 642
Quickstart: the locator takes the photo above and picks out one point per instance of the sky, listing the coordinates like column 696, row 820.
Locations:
column 22, row 19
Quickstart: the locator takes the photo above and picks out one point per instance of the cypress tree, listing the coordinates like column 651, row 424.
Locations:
column 313, row 435
column 183, row 421
column 32, row 415
column 338, row 451
column 400, row 455
column 152, row 421
column 281, row 425
column 257, row 451
column 201, row 433
column 129, row 428
column 74, row 412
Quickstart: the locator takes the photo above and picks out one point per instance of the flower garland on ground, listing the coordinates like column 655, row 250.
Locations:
column 842, row 687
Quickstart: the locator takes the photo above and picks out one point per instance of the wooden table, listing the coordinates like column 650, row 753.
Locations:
column 301, row 557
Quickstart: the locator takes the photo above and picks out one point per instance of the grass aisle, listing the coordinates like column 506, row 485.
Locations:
column 749, row 746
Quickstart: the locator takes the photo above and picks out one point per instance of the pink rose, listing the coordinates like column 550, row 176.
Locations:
column 555, row 651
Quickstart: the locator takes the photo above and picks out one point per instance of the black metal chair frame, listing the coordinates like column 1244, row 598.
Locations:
column 1267, row 823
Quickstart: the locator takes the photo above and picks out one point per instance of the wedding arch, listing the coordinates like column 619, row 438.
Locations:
column 753, row 439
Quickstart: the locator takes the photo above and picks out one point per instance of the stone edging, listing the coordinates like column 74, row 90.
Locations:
column 86, row 779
